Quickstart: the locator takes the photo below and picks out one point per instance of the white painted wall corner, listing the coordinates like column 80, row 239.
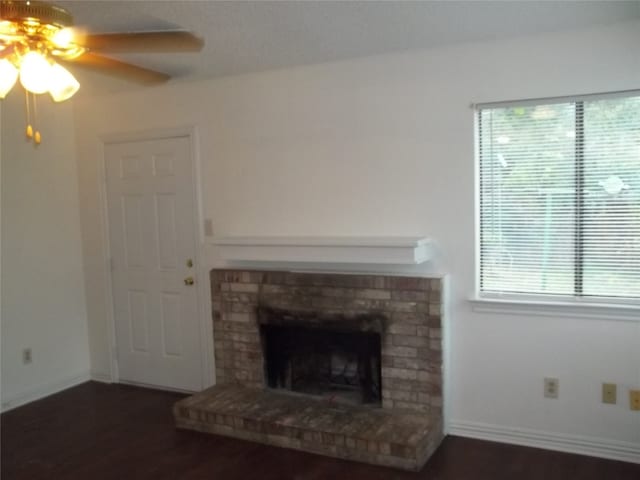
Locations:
column 101, row 377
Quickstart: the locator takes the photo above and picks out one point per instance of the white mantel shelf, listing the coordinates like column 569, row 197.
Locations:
column 371, row 250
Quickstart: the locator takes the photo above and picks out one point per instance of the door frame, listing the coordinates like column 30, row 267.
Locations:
column 202, row 274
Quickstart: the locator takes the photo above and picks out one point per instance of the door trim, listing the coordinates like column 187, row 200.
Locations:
column 202, row 273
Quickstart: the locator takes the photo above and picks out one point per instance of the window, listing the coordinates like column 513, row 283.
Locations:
column 560, row 197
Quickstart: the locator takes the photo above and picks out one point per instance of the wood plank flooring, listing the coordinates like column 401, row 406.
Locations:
column 96, row 431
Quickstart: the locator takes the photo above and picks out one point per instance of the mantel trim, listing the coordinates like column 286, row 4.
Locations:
column 370, row 250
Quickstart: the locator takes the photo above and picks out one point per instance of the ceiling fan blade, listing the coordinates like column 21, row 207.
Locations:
column 145, row 42
column 120, row 69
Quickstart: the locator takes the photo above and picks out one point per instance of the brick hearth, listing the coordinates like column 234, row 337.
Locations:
column 371, row 435
column 411, row 367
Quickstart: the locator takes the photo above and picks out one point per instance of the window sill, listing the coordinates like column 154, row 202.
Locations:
column 555, row 308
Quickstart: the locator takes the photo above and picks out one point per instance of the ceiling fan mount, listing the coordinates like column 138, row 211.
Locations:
column 39, row 27
column 41, row 12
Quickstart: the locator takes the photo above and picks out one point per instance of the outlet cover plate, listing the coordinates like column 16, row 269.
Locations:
column 609, row 393
column 27, row 358
column 634, row 399
column 551, row 387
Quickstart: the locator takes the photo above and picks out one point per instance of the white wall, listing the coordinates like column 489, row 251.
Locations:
column 384, row 146
column 43, row 298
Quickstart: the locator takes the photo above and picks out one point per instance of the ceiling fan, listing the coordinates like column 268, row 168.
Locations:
column 36, row 35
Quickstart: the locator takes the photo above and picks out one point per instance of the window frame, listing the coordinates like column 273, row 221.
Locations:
column 598, row 307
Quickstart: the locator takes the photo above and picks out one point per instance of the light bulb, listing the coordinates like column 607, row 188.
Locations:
column 35, row 72
column 63, row 38
column 7, row 27
column 63, row 84
column 8, row 77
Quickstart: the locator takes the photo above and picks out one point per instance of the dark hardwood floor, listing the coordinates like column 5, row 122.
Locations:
column 97, row 431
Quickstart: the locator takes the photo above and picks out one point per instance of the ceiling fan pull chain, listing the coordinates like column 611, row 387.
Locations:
column 29, row 127
column 36, row 135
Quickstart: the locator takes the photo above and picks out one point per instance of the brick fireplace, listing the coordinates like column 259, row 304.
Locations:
column 364, row 352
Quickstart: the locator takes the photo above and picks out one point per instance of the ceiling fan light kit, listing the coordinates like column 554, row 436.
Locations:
column 35, row 36
column 32, row 36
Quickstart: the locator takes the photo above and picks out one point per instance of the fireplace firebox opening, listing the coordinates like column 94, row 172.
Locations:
column 334, row 357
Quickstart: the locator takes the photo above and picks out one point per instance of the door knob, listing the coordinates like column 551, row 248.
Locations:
column 189, row 281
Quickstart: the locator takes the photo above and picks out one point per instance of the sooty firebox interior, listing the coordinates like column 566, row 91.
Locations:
column 333, row 356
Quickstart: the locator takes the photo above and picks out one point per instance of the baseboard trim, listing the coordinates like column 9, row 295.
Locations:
column 155, row 387
column 42, row 391
column 592, row 446
column 101, row 377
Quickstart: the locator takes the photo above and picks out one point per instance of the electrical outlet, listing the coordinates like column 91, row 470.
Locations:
column 634, row 399
column 26, row 356
column 609, row 393
column 551, row 387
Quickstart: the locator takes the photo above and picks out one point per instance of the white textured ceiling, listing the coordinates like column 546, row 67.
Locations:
column 250, row 36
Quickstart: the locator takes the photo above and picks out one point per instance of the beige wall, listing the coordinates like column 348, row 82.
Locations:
column 385, row 146
column 43, row 297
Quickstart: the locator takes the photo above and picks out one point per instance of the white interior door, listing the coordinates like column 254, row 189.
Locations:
column 153, row 244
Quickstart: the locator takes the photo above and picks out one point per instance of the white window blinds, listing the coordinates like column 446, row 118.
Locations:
column 560, row 197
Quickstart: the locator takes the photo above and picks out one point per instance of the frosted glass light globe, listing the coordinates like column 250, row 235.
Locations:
column 63, row 84
column 35, row 73
column 8, row 77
